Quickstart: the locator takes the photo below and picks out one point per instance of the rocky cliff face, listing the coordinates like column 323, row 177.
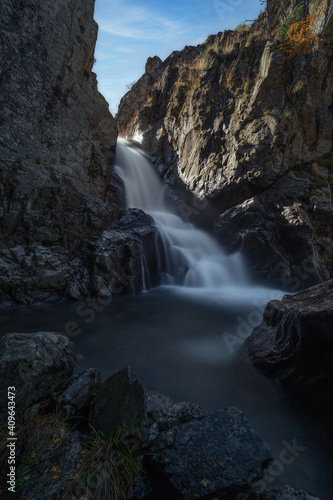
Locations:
column 226, row 120
column 53, row 119
column 56, row 142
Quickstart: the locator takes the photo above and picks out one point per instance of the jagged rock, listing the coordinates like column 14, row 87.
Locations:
column 225, row 120
column 120, row 402
column 244, row 125
column 124, row 258
column 107, row 261
column 36, row 364
column 275, row 233
column 294, row 341
column 50, row 477
column 79, row 392
column 218, row 453
column 153, row 64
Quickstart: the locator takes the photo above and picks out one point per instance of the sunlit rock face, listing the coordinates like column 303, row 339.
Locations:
column 225, row 120
column 232, row 115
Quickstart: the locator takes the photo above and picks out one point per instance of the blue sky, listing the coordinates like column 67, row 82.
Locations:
column 130, row 31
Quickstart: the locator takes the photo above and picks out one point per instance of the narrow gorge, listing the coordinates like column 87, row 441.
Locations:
column 167, row 269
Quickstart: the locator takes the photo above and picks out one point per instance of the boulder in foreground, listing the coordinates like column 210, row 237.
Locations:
column 217, row 454
column 121, row 401
column 36, row 364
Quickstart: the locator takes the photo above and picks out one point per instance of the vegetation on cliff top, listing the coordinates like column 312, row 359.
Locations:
column 298, row 32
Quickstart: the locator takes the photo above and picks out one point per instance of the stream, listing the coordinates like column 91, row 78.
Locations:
column 184, row 338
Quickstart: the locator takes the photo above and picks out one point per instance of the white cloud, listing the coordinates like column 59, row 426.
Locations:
column 139, row 23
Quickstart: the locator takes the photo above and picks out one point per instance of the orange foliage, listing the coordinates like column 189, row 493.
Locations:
column 301, row 36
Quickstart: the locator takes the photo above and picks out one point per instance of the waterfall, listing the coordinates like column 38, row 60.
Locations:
column 191, row 258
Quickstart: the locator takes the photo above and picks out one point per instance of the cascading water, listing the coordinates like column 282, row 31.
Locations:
column 191, row 257
column 193, row 263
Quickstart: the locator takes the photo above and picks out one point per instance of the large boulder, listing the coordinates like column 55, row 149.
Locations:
column 120, row 402
column 36, row 364
column 276, row 234
column 216, row 454
column 294, row 342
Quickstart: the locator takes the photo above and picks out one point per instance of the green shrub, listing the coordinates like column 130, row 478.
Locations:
column 106, row 470
column 295, row 16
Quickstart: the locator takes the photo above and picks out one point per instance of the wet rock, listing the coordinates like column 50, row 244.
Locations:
column 36, row 364
column 50, row 477
column 76, row 398
column 274, row 231
column 124, row 257
column 294, row 341
column 216, row 454
column 108, row 259
column 120, row 402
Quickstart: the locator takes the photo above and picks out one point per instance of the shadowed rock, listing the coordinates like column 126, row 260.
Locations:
column 218, row 453
column 79, row 392
column 51, row 475
column 57, row 190
column 120, row 402
column 36, row 364
column 275, row 233
column 294, row 342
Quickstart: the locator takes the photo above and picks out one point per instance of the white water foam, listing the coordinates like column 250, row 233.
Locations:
column 193, row 262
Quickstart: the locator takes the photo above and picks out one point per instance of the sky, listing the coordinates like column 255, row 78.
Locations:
column 130, row 31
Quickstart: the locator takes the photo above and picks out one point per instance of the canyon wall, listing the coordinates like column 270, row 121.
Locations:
column 232, row 122
column 57, row 141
